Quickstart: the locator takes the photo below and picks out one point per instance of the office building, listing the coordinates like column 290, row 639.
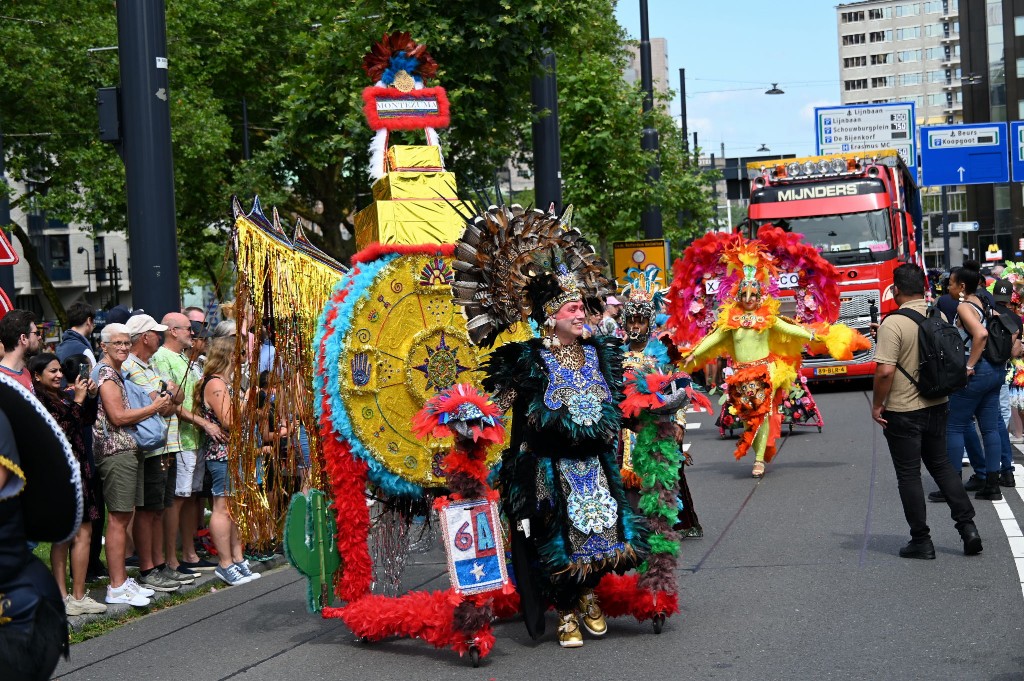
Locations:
column 899, row 51
column 993, row 55
column 659, row 69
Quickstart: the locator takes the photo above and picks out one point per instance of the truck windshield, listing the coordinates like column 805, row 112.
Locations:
column 845, row 239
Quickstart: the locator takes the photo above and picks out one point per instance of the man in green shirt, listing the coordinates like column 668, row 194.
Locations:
column 172, row 362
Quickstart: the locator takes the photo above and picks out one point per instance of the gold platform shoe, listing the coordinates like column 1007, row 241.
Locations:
column 593, row 618
column 569, row 634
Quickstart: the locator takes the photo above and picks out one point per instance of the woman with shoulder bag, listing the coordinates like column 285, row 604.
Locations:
column 980, row 397
column 213, row 402
column 115, row 452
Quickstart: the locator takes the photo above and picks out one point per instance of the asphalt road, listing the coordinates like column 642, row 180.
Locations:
column 797, row 577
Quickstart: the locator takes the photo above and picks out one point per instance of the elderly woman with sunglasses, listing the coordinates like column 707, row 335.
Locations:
column 115, row 452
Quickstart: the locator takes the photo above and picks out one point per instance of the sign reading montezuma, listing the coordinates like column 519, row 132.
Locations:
column 388, row 108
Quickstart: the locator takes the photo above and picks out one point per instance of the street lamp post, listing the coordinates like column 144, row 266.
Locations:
column 650, row 219
column 89, row 271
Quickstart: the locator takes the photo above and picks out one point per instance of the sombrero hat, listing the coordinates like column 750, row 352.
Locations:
column 51, row 501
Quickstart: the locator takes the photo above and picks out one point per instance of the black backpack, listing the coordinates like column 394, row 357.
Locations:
column 1002, row 325
column 943, row 367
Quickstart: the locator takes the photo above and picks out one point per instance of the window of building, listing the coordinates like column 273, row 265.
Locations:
column 856, row 84
column 908, row 10
column 937, row 99
column 880, row 13
column 1020, row 109
column 881, row 81
column 934, row 31
column 60, row 257
column 1020, row 68
column 909, row 79
column 908, row 33
column 880, row 36
column 1018, row 25
column 885, row 58
column 907, row 56
column 935, row 53
column 937, row 76
column 853, row 39
column 932, row 7
column 852, row 16
column 852, row 62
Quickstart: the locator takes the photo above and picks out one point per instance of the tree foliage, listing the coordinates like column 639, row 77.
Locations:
column 297, row 64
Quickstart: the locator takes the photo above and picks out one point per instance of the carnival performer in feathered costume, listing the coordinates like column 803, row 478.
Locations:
column 560, row 485
column 648, row 355
column 654, row 406
column 764, row 346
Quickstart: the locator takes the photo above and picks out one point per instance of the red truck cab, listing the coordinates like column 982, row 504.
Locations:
column 863, row 213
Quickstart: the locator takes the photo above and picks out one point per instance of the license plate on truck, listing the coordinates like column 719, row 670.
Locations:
column 829, row 371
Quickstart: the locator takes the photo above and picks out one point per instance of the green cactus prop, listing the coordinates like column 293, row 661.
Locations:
column 309, row 544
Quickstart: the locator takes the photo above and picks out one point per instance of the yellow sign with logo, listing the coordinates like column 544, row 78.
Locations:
column 640, row 254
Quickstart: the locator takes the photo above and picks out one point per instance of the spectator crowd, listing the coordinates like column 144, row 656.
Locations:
column 147, row 412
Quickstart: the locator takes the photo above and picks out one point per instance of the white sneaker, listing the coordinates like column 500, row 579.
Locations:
column 126, row 595
column 143, row 591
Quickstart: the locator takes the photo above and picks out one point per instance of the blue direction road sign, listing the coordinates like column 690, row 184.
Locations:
column 1017, row 150
column 975, row 153
column 865, row 128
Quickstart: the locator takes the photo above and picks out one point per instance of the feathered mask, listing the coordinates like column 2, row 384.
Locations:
column 511, row 264
column 643, row 294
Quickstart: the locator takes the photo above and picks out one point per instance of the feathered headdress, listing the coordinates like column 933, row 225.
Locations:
column 643, row 294
column 398, row 61
column 511, row 264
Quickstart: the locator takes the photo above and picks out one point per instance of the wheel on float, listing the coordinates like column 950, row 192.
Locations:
column 659, row 622
column 474, row 655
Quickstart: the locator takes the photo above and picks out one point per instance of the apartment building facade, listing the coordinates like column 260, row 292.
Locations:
column 900, row 51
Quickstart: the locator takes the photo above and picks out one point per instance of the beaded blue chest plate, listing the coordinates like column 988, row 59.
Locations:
column 580, row 390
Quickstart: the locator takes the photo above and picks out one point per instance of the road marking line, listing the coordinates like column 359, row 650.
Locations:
column 1013, row 532
column 692, row 426
column 686, row 447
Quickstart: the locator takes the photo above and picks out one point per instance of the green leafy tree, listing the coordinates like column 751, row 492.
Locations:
column 603, row 167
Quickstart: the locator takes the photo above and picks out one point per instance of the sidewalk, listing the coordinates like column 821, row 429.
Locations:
column 99, row 592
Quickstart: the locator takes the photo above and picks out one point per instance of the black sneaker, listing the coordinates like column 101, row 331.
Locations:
column 974, row 483
column 922, row 549
column 937, row 496
column 1006, row 479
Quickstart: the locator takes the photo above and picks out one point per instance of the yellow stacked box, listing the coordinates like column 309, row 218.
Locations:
column 414, row 203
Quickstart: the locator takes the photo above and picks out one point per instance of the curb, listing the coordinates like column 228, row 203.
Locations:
column 76, row 622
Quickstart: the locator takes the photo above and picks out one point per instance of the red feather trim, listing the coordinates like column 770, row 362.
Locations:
column 427, row 421
column 417, row 614
column 504, row 604
column 620, row 595
column 347, row 478
column 441, row 119
column 376, row 250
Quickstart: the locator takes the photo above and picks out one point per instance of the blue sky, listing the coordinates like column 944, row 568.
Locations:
column 733, row 50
